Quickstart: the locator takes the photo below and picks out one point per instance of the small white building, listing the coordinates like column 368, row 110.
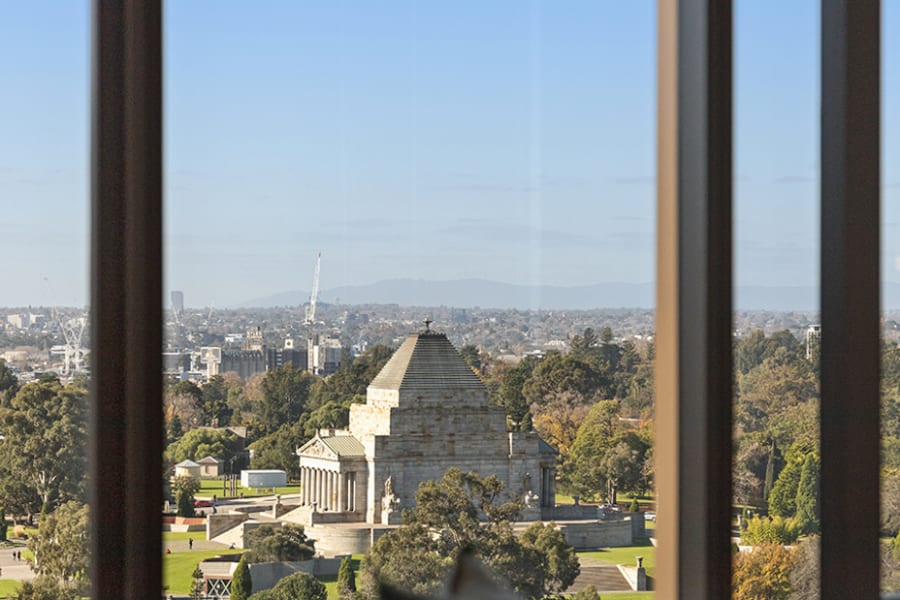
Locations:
column 188, row 468
column 263, row 478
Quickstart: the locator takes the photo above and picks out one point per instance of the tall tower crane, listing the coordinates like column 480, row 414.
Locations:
column 72, row 331
column 311, row 346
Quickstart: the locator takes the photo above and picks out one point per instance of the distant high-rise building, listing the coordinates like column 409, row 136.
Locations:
column 178, row 301
column 813, row 340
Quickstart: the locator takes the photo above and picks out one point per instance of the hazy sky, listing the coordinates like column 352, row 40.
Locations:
column 506, row 140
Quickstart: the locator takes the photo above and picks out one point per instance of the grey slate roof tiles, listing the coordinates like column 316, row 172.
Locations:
column 345, row 445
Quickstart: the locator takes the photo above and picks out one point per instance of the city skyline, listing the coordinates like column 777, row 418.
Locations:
column 513, row 142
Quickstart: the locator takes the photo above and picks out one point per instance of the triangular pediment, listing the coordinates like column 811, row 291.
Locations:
column 317, row 448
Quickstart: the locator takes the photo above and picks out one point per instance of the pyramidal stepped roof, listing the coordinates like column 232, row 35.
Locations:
column 427, row 360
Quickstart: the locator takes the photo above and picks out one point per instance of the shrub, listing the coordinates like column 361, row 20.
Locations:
column 346, row 579
column 588, row 593
column 770, row 530
column 299, row 586
column 289, row 543
column 185, row 502
column 635, row 506
column 763, row 573
column 241, row 583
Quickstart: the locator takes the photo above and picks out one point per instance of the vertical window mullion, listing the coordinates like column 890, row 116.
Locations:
column 694, row 289
column 850, row 162
column 126, row 299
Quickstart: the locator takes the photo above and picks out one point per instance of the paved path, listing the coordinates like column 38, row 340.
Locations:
column 199, row 545
column 12, row 568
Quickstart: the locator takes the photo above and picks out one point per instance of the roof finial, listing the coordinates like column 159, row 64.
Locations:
column 428, row 323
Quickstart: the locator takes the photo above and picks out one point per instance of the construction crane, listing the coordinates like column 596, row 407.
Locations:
column 312, row 362
column 72, row 331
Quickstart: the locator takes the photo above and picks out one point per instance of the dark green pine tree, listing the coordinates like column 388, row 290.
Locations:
column 185, row 503
column 807, row 502
column 770, row 474
column 175, row 429
column 346, row 579
column 197, row 591
column 241, row 583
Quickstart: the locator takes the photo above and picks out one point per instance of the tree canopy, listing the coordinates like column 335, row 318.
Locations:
column 276, row 544
column 43, row 456
column 61, row 548
column 466, row 512
column 299, row 586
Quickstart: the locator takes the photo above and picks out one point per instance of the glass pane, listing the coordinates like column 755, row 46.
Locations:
column 469, row 188
column 890, row 301
column 776, row 393
column 44, row 337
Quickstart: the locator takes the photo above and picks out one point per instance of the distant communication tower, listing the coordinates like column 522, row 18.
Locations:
column 312, row 361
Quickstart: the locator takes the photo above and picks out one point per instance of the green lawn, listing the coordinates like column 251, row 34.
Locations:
column 178, row 566
column 181, row 536
column 330, row 581
column 627, row 595
column 627, row 555
column 622, row 499
column 210, row 487
column 8, row 587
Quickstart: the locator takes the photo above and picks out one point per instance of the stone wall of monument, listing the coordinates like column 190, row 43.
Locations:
column 407, row 473
column 464, row 398
column 597, row 534
column 449, row 418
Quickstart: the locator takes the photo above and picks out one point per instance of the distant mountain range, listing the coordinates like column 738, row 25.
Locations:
column 468, row 293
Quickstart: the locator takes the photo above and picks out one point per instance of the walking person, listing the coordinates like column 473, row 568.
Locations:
column 190, row 543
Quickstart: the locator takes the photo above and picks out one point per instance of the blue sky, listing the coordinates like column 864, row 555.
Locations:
column 506, row 140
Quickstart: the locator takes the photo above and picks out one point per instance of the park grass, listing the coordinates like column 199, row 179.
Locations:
column 627, row 555
column 9, row 588
column 181, row 536
column 331, row 588
column 623, row 499
column 178, row 567
column 210, row 487
column 330, row 581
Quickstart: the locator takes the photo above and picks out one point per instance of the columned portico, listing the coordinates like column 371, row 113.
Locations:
column 328, row 468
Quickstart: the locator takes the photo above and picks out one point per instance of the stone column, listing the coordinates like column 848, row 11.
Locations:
column 352, row 501
column 304, row 485
column 341, row 504
column 329, row 490
column 315, row 488
column 320, row 484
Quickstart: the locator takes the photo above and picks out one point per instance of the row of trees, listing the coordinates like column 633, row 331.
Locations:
column 581, row 402
column 281, row 410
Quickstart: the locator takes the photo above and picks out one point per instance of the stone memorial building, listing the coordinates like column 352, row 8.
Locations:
column 425, row 412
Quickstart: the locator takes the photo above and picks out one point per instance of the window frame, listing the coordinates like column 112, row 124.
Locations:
column 693, row 297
